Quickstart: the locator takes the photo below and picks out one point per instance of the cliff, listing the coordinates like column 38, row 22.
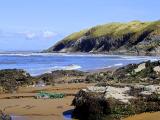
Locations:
column 135, row 37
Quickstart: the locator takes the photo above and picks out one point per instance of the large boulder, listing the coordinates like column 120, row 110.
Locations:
column 62, row 76
column 10, row 79
column 114, row 103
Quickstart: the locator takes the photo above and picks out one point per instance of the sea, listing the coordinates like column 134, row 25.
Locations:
column 39, row 63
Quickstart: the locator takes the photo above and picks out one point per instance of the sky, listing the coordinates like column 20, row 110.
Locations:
column 38, row 24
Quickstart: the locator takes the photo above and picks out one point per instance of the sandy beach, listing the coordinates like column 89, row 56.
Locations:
column 48, row 109
column 40, row 109
column 145, row 116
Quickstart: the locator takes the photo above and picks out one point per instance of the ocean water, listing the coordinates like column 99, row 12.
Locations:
column 38, row 63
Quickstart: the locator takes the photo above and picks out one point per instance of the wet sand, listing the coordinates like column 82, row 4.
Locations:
column 44, row 109
column 40, row 109
column 145, row 116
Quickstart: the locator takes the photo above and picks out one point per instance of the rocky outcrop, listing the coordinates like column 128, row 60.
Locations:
column 145, row 72
column 10, row 79
column 139, row 38
column 62, row 76
column 114, row 103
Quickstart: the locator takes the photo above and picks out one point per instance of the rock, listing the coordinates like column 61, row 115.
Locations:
column 144, row 72
column 157, row 69
column 140, row 67
column 62, row 76
column 98, row 103
column 11, row 79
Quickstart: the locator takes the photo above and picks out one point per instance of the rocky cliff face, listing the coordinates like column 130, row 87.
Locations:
column 140, row 38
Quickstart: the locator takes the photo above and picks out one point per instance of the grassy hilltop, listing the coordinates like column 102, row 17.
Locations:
column 132, row 37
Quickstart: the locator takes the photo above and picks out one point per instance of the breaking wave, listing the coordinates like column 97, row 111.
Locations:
column 68, row 67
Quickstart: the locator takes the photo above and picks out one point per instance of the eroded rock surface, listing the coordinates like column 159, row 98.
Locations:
column 115, row 102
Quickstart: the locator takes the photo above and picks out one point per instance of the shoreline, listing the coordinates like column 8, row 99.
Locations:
column 106, row 53
column 78, row 53
column 66, row 66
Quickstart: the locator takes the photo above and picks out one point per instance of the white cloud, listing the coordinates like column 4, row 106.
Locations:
column 30, row 35
column 49, row 34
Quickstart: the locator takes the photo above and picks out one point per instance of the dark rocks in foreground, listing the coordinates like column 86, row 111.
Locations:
column 129, row 90
column 114, row 103
column 62, row 76
column 11, row 79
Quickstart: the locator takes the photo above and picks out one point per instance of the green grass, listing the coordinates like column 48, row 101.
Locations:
column 116, row 29
column 76, row 35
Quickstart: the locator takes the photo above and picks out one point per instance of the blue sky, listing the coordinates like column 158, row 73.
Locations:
column 38, row 24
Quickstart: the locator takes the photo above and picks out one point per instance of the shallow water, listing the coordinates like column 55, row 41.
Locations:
column 66, row 117
column 38, row 63
column 17, row 118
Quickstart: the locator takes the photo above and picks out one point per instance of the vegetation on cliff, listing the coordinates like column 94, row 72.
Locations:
column 133, row 37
